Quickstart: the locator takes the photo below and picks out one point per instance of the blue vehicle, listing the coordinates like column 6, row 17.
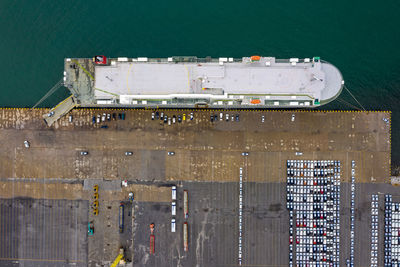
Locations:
column 90, row 228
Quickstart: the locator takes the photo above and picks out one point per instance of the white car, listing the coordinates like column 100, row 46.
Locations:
column 26, row 143
column 221, row 116
column 171, row 153
column 299, row 153
column 173, row 208
column 245, row 153
column 70, row 118
column 173, row 193
column 262, row 118
column 293, row 116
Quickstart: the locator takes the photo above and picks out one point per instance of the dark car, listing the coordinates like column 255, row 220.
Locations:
column 165, row 119
column 212, row 118
column 120, row 116
column 237, row 117
column 94, row 119
column 123, row 116
column 104, row 126
column 157, row 115
column 179, row 118
column 114, row 116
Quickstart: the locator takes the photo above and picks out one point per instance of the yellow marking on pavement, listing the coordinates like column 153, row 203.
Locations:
column 88, row 73
column 62, row 102
column 104, row 91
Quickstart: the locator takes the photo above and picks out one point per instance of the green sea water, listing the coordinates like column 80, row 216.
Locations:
column 362, row 38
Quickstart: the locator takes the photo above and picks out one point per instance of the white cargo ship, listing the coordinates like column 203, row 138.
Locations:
column 187, row 82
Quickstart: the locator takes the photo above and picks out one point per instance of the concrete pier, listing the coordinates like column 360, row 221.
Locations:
column 206, row 162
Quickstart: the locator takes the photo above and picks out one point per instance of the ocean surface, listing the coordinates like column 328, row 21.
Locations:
column 362, row 38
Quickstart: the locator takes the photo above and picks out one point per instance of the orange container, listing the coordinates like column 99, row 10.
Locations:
column 255, row 58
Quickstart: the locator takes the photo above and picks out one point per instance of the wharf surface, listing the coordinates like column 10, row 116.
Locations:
column 207, row 159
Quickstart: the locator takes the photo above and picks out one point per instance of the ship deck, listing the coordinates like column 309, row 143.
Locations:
column 142, row 78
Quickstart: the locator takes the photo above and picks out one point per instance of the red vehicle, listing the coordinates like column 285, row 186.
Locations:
column 152, row 238
column 100, row 60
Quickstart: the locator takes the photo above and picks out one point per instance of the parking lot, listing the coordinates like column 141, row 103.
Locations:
column 43, row 232
column 206, row 161
column 213, row 227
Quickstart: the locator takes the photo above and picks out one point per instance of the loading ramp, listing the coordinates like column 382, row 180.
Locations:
column 60, row 110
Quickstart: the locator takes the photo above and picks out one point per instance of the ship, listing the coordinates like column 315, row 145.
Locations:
column 191, row 82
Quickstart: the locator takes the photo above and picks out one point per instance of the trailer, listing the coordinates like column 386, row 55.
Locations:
column 185, row 237
column 185, row 204
column 152, row 239
column 121, row 217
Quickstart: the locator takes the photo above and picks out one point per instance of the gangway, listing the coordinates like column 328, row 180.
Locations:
column 119, row 258
column 60, row 110
column 59, row 84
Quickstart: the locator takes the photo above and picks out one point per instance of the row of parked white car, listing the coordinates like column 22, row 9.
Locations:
column 392, row 232
column 240, row 213
column 352, row 212
column 312, row 164
column 374, row 230
column 313, row 201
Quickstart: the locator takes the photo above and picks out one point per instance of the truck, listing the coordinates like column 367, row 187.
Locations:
column 121, row 217
column 173, row 192
column 152, row 239
column 185, row 204
column 185, row 237
column 173, row 208
column 173, row 225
